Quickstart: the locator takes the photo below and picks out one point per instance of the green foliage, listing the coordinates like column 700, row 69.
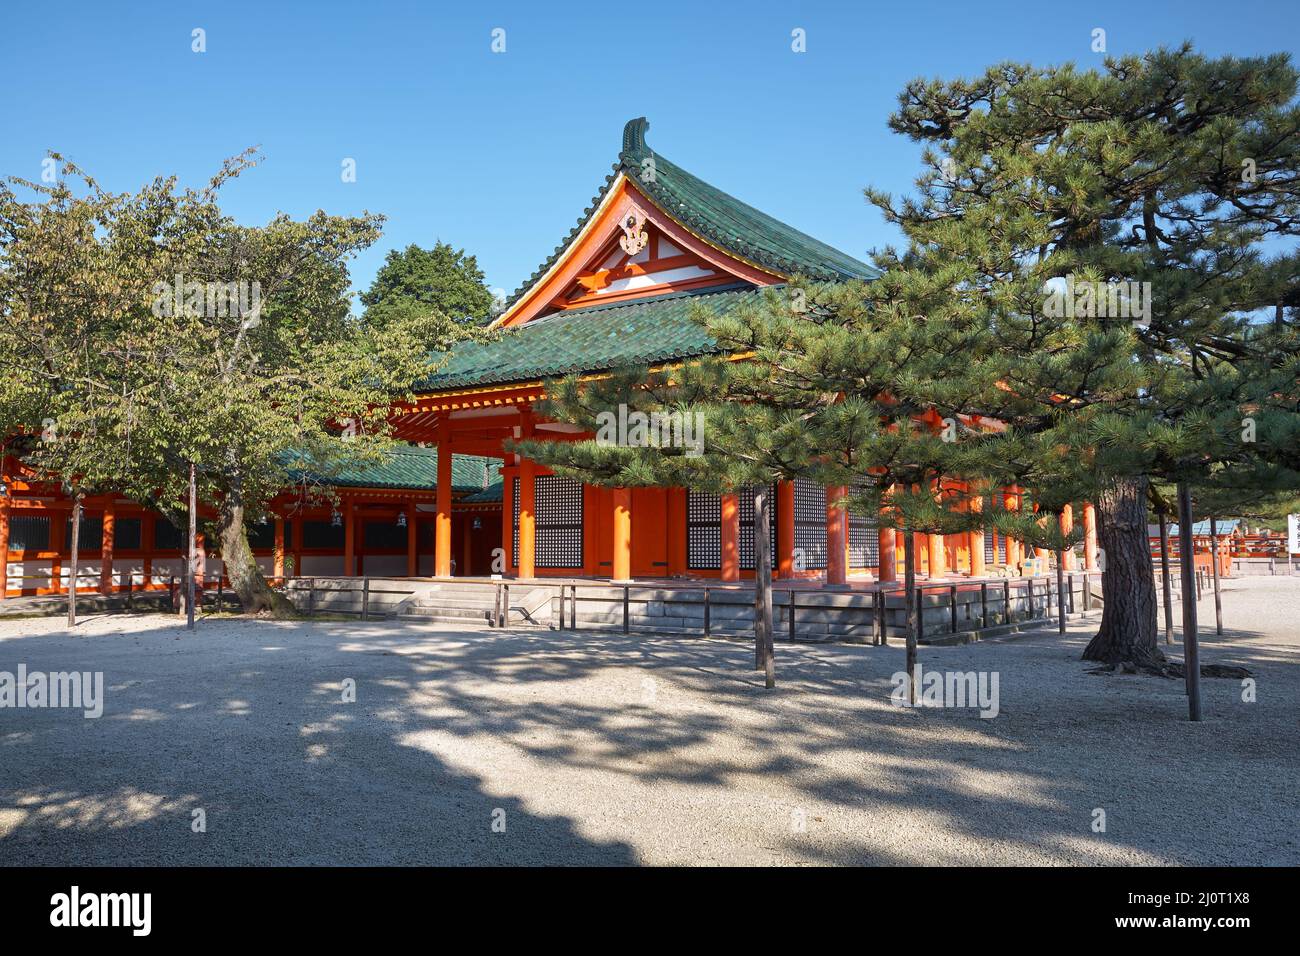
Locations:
column 416, row 281
column 111, row 380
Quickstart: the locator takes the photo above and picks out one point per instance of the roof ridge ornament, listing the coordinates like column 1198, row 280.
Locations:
column 634, row 135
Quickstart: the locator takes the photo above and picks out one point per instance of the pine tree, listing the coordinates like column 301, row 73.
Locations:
column 1105, row 228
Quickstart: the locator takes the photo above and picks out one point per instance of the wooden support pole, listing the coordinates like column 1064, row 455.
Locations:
column 1191, row 643
column 977, row 565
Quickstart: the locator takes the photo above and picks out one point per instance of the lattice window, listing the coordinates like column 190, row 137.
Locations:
column 746, row 546
column 514, row 537
column 559, row 522
column 703, row 531
column 29, row 533
column 990, row 547
column 810, row 522
column 864, row 541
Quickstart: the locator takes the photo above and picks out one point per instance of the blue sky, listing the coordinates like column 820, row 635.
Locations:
column 501, row 152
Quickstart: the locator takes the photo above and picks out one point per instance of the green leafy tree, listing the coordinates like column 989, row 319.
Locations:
column 413, row 281
column 145, row 332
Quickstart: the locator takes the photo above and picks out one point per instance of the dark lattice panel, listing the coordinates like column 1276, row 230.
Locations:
column 514, row 534
column 559, row 522
column 126, row 534
column 29, row 533
column 1002, row 549
column 990, row 548
column 746, row 544
column 90, row 537
column 703, row 531
column 322, row 534
column 168, row 537
column 380, row 536
column 864, row 541
column 810, row 523
column 261, row 535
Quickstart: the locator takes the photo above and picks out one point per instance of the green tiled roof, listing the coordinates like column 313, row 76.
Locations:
column 723, row 220
column 597, row 338
column 492, row 493
column 410, row 467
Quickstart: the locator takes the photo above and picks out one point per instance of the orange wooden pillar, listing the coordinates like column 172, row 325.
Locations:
column 1040, row 553
column 785, row 529
column 677, row 544
column 527, row 518
column 59, row 521
column 622, row 558
column 977, row 566
column 442, row 529
column 106, row 549
column 938, row 556
column 200, row 559
column 277, row 550
column 1014, row 555
column 730, row 538
column 412, row 539
column 1067, row 525
column 1089, row 536
column 349, row 541
column 4, row 537
column 296, row 535
column 837, row 557
column 888, row 570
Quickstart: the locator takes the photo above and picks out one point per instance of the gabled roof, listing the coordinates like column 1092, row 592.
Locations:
column 596, row 338
column 412, row 468
column 721, row 220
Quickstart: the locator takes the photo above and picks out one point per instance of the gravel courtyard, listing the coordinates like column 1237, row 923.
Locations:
column 593, row 748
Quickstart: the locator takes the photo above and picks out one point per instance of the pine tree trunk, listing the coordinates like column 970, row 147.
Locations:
column 910, row 611
column 246, row 578
column 1127, row 636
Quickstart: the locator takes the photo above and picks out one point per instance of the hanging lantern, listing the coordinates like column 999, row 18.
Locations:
column 336, row 519
column 401, row 519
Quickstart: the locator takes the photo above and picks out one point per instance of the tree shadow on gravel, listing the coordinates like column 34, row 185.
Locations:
column 573, row 735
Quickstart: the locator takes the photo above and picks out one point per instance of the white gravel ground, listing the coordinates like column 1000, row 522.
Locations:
column 605, row 749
